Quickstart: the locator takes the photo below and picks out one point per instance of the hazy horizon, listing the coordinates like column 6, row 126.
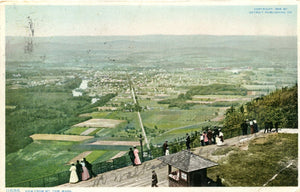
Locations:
column 154, row 35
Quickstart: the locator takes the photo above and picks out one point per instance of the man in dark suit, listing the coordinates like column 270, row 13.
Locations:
column 244, row 127
column 188, row 141
column 131, row 155
column 79, row 169
column 154, row 179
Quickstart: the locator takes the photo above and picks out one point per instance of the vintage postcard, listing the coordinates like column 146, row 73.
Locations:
column 134, row 95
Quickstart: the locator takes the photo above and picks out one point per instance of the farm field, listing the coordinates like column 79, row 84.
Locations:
column 76, row 130
column 100, row 123
column 107, row 108
column 169, row 119
column 125, row 143
column 82, row 131
column 57, row 137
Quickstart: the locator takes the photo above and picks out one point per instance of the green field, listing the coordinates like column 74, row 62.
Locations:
column 95, row 155
column 76, row 130
column 169, row 119
column 79, row 130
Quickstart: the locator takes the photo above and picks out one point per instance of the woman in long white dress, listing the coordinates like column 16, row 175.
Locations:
column 167, row 151
column 220, row 138
column 85, row 173
column 73, row 175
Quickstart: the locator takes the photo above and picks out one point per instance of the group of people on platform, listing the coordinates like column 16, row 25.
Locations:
column 134, row 156
column 269, row 126
column 215, row 136
column 211, row 137
column 254, row 126
column 81, row 171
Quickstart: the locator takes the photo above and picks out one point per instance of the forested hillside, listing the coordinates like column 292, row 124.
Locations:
column 279, row 106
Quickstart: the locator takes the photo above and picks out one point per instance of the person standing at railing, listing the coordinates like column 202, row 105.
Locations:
column 79, row 170
column 73, row 175
column 270, row 125
column 188, row 142
column 165, row 146
column 85, row 173
column 244, row 127
column 205, row 138
column 221, row 136
column 89, row 168
column 167, row 151
column 137, row 160
column 202, row 139
column 276, row 126
column 255, row 126
column 131, row 155
column 209, row 136
column 251, row 127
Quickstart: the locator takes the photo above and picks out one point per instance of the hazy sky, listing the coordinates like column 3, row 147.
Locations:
column 149, row 19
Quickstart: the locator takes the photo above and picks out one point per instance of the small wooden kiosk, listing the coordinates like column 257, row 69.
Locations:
column 191, row 169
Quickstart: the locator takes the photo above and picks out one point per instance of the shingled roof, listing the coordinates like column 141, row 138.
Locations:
column 187, row 161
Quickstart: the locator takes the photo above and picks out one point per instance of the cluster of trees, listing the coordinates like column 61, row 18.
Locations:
column 280, row 106
column 217, row 89
column 179, row 102
column 153, row 132
column 44, row 109
column 131, row 107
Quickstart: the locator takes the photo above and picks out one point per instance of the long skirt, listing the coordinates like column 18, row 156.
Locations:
column 137, row 160
column 219, row 142
column 252, row 129
column 85, row 174
column 73, row 177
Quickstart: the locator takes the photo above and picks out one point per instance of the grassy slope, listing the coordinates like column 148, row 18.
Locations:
column 42, row 158
column 264, row 158
column 38, row 159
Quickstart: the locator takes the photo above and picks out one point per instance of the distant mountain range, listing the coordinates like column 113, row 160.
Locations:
column 128, row 49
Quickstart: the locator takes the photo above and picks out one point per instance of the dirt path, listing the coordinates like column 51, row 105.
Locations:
column 80, row 157
column 88, row 131
column 120, row 154
column 140, row 119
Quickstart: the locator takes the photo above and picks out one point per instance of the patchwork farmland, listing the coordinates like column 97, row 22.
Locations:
column 100, row 123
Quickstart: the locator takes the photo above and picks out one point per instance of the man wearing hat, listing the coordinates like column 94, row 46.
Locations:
column 154, row 179
column 165, row 146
